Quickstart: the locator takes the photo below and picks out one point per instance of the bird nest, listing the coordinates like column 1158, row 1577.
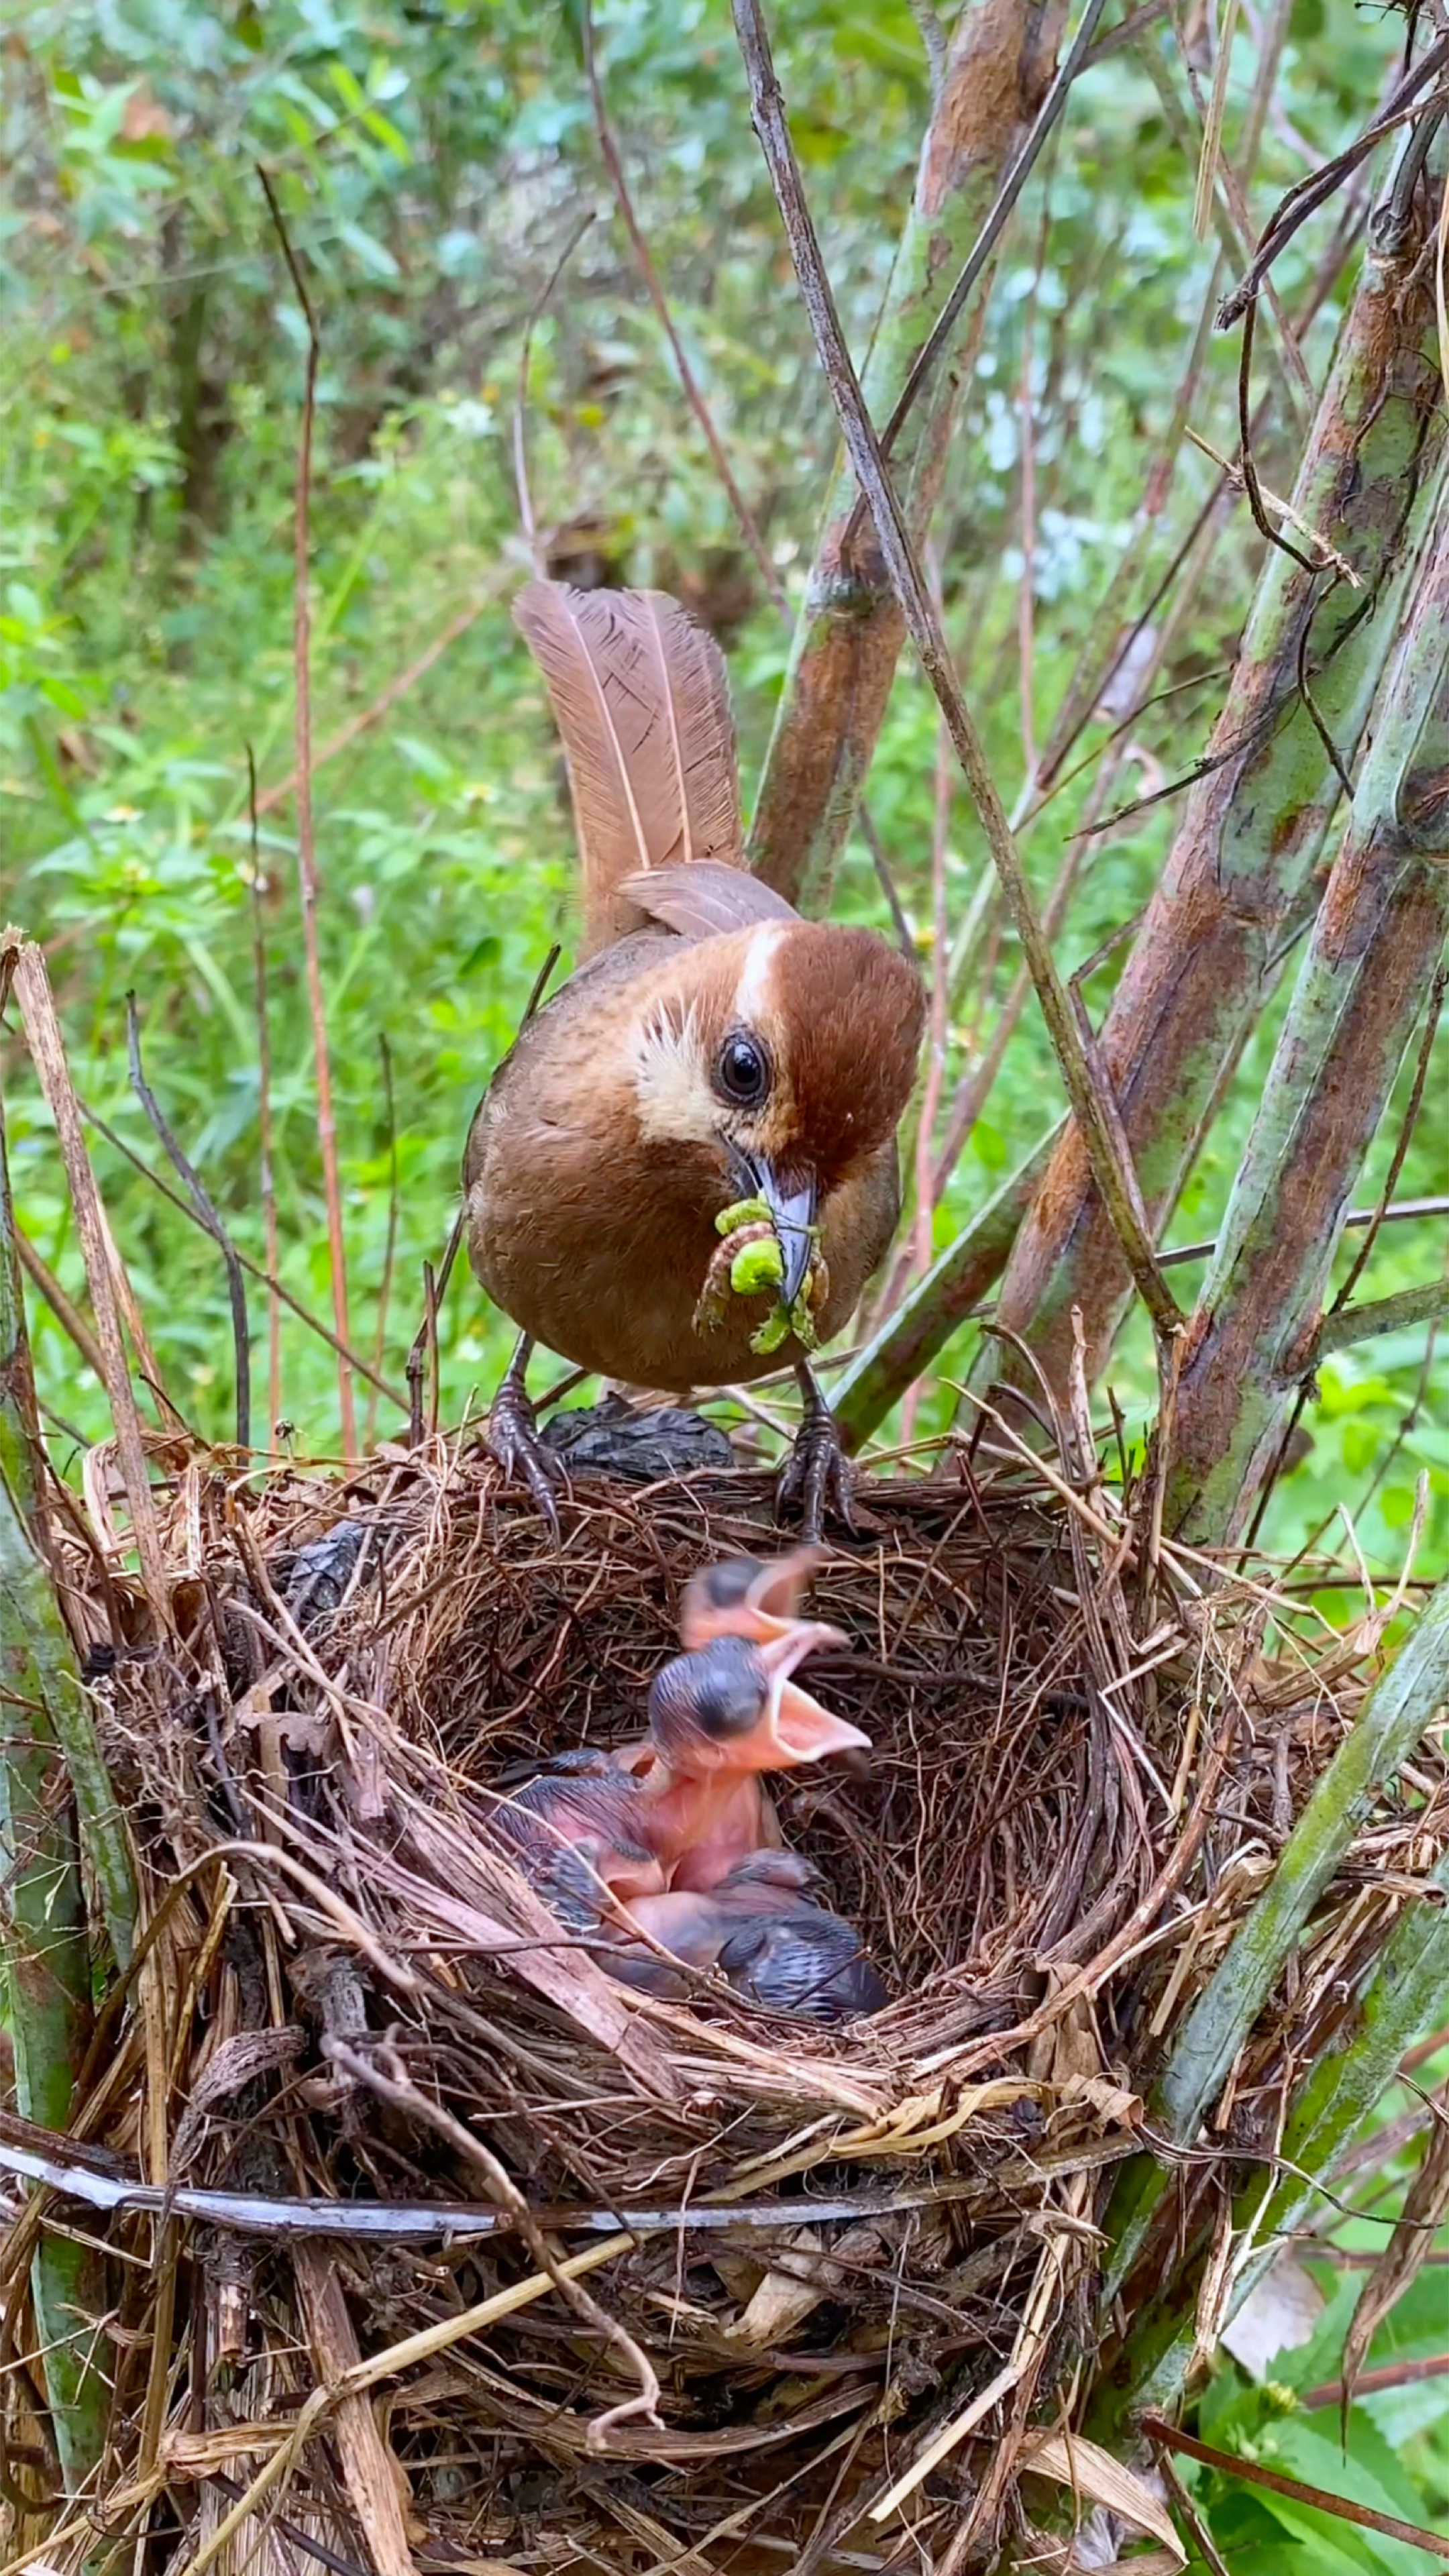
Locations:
column 429, row 2244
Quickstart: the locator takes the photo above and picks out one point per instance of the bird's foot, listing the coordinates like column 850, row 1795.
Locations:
column 514, row 1441
column 817, row 1475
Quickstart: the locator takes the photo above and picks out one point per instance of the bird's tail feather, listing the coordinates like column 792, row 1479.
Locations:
column 641, row 701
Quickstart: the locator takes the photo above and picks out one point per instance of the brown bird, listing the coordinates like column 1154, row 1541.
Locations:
column 761, row 1928
column 713, row 1052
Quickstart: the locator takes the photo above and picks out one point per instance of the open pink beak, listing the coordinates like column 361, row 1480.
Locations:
column 796, row 1728
column 764, row 1614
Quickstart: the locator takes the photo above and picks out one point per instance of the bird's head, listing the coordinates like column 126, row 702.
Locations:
column 740, row 1597
column 733, row 1706
column 783, row 1054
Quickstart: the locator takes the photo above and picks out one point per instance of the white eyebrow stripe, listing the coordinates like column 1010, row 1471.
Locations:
column 754, row 986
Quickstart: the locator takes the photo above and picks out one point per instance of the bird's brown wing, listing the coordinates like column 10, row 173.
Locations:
column 705, row 899
column 641, row 701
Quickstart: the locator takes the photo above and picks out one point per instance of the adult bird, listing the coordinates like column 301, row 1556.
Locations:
column 713, row 1052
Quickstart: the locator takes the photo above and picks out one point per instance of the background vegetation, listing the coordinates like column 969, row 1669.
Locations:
column 433, row 161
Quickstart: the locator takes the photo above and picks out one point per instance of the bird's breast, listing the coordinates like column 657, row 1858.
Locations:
column 597, row 1240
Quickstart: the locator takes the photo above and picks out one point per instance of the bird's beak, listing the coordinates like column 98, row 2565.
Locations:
column 792, row 1204
column 778, row 1590
column 798, row 1729
column 769, row 1610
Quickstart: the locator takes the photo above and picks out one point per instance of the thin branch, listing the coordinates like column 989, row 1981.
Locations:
column 944, row 327
column 885, row 880
column 1403, row 1211
column 389, row 1256
column 1197, row 2530
column 252, row 1268
column 425, row 1339
column 1394, row 2374
column 1117, row 1186
column 536, row 312
column 1342, row 2508
column 306, row 844
column 1359, row 1323
column 42, row 1030
column 67, row 1315
column 266, row 1175
column 1309, row 194
column 650, row 274
column 387, row 698
column 206, row 1212
column 1403, row 1140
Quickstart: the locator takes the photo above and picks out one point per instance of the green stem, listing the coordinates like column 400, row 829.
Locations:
column 924, row 1322
column 850, row 631
column 1256, row 821
column 1387, row 1728
column 46, row 1959
column 1381, row 1315
column 1365, row 978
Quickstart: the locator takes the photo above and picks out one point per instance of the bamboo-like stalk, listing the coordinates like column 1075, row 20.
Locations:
column 1388, row 1726
column 1364, row 982
column 1403, row 1999
column 918, row 1330
column 1257, row 818
column 995, row 73
column 46, row 1959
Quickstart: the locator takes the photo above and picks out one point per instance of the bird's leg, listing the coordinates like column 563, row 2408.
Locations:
column 817, row 1473
column 513, row 1435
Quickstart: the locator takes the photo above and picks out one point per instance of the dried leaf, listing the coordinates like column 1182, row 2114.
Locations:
column 1425, row 2205
column 1092, row 2472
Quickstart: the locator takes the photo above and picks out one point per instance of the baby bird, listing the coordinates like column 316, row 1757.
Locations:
column 737, row 1598
column 743, row 1598
column 713, row 1053
column 717, row 1719
column 759, row 1927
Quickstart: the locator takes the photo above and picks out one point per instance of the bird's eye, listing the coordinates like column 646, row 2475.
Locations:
column 742, row 1070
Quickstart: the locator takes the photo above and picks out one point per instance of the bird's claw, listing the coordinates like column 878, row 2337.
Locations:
column 817, row 1477
column 513, row 1440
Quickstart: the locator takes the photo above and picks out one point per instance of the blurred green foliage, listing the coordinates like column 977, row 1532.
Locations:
column 432, row 158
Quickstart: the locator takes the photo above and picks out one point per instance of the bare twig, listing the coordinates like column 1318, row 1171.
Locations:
column 1348, row 1324
column 536, row 311
column 204, row 1205
column 1115, row 1183
column 650, row 274
column 1197, row 2530
column 1304, row 199
column 1402, row 1212
column 1394, row 2374
column 387, row 697
column 67, row 1315
column 42, row 1030
column 266, row 1175
column 306, row 845
column 1385, row 1208
column 253, row 1269
column 384, row 1294
column 943, row 329
column 1158, row 2430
